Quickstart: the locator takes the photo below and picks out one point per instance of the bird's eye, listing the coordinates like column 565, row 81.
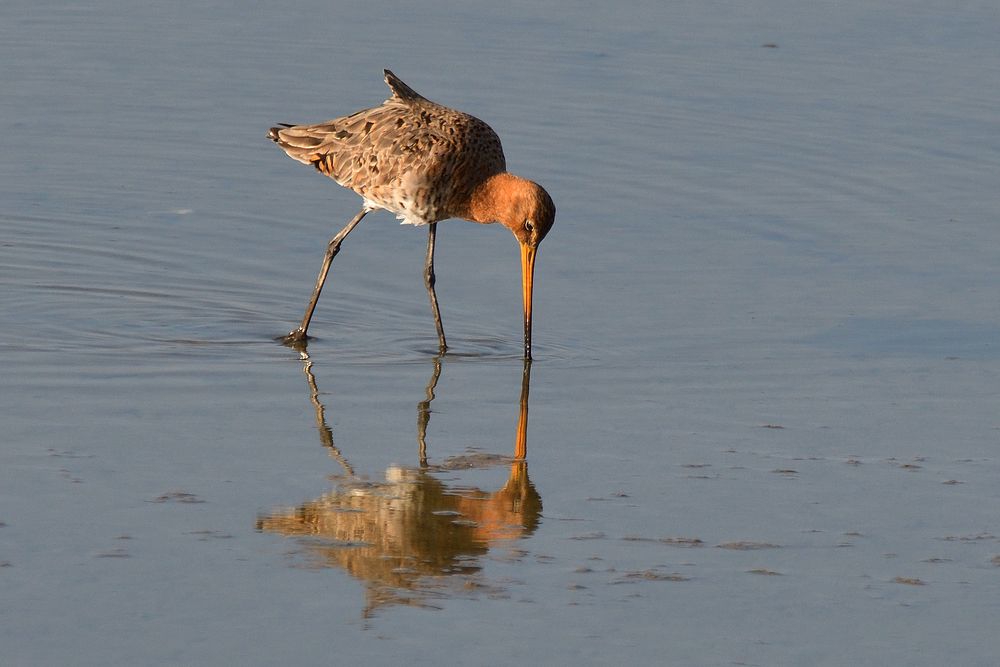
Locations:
column 528, row 227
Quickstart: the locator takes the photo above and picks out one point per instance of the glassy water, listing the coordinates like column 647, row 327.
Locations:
column 763, row 410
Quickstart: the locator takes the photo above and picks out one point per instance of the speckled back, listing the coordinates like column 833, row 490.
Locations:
column 413, row 157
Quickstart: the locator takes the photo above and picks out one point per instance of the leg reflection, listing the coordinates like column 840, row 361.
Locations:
column 418, row 533
column 424, row 411
column 325, row 432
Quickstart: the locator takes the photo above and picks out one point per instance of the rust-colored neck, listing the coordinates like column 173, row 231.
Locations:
column 493, row 200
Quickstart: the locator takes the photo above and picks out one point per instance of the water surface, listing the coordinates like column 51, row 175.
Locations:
column 763, row 409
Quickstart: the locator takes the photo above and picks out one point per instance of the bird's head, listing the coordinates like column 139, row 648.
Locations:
column 530, row 213
column 525, row 208
column 527, row 211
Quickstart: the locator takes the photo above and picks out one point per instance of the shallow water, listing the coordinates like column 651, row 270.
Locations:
column 762, row 421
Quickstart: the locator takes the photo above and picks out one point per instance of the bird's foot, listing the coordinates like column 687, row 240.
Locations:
column 295, row 338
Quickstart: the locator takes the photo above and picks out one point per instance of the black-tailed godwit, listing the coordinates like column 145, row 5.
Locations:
column 424, row 162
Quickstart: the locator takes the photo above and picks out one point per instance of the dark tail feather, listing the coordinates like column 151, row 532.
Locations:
column 399, row 89
column 272, row 134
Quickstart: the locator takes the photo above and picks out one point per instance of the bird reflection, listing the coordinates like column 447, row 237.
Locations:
column 408, row 536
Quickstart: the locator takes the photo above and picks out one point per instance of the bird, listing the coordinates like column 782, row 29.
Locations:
column 423, row 162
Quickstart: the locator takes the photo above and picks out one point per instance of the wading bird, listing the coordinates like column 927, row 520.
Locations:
column 424, row 162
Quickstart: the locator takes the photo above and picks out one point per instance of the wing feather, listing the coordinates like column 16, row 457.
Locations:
column 406, row 155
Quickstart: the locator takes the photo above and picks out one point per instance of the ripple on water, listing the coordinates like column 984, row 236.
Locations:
column 357, row 345
column 106, row 284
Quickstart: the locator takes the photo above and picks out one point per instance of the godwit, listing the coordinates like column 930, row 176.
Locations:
column 425, row 163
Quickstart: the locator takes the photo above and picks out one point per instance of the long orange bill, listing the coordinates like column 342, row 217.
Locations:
column 527, row 277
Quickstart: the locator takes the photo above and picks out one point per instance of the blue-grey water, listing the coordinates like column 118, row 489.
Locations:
column 763, row 424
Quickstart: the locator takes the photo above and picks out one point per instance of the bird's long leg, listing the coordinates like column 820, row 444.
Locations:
column 429, row 281
column 299, row 335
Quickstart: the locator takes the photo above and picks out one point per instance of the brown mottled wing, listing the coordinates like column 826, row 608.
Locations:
column 410, row 156
column 345, row 149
